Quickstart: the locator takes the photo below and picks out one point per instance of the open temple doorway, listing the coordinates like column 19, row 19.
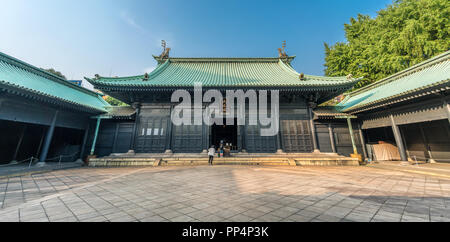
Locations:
column 228, row 134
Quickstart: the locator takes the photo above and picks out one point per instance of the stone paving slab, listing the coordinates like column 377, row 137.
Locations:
column 225, row 193
column 24, row 169
column 431, row 169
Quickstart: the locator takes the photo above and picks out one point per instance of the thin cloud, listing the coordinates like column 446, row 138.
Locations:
column 131, row 22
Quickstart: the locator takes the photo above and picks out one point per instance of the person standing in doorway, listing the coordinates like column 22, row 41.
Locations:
column 211, row 153
column 221, row 149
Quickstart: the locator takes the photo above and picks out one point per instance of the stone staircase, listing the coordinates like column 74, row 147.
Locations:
column 314, row 159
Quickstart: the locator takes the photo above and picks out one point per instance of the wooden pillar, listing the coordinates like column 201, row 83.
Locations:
column 48, row 140
column 16, row 152
column 447, row 109
column 207, row 134
column 279, row 139
column 352, row 135
column 333, row 142
column 205, row 130
column 204, row 144
column 133, row 135
column 116, row 134
column 1, row 102
column 239, row 138
column 404, row 142
column 169, row 132
column 244, row 141
column 94, row 142
column 363, row 142
column 136, row 106
column 398, row 139
column 83, row 146
column 313, row 131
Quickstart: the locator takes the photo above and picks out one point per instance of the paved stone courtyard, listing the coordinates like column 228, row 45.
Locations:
column 225, row 193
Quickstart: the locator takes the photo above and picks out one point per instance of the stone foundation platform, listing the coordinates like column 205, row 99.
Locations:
column 314, row 159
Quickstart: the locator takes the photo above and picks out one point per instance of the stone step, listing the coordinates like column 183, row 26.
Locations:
column 120, row 162
column 222, row 161
column 258, row 161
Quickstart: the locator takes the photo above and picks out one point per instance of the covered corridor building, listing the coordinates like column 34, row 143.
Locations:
column 410, row 109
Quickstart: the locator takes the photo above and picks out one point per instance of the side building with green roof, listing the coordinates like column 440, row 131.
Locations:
column 409, row 109
column 43, row 116
column 151, row 129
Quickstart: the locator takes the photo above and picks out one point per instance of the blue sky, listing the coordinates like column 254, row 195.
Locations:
column 118, row 37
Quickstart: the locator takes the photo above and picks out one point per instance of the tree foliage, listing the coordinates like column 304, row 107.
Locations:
column 114, row 102
column 407, row 32
column 55, row 72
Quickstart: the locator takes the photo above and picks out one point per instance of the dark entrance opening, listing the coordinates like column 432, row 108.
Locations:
column 66, row 145
column 20, row 141
column 226, row 133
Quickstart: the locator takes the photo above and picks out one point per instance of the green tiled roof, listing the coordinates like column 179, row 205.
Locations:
column 328, row 111
column 224, row 73
column 18, row 75
column 120, row 112
column 433, row 74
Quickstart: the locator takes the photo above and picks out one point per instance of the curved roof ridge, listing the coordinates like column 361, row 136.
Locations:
column 227, row 59
column 160, row 68
column 119, row 78
column 220, row 72
column 332, row 78
column 288, row 69
column 427, row 63
column 38, row 71
column 58, row 98
column 429, row 74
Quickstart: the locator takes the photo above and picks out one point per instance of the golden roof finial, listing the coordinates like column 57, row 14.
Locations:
column 163, row 44
column 165, row 53
column 282, row 51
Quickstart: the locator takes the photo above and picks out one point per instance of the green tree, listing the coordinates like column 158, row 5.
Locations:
column 407, row 32
column 55, row 72
column 114, row 102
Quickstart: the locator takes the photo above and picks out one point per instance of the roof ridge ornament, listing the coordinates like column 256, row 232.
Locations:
column 350, row 76
column 145, row 77
column 302, row 76
column 282, row 51
column 165, row 53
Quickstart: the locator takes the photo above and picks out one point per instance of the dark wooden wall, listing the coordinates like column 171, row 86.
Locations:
column 255, row 143
column 152, row 134
column 295, row 128
column 423, row 124
column 427, row 140
column 18, row 113
column 155, row 134
column 20, row 109
column 341, row 136
column 114, row 137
